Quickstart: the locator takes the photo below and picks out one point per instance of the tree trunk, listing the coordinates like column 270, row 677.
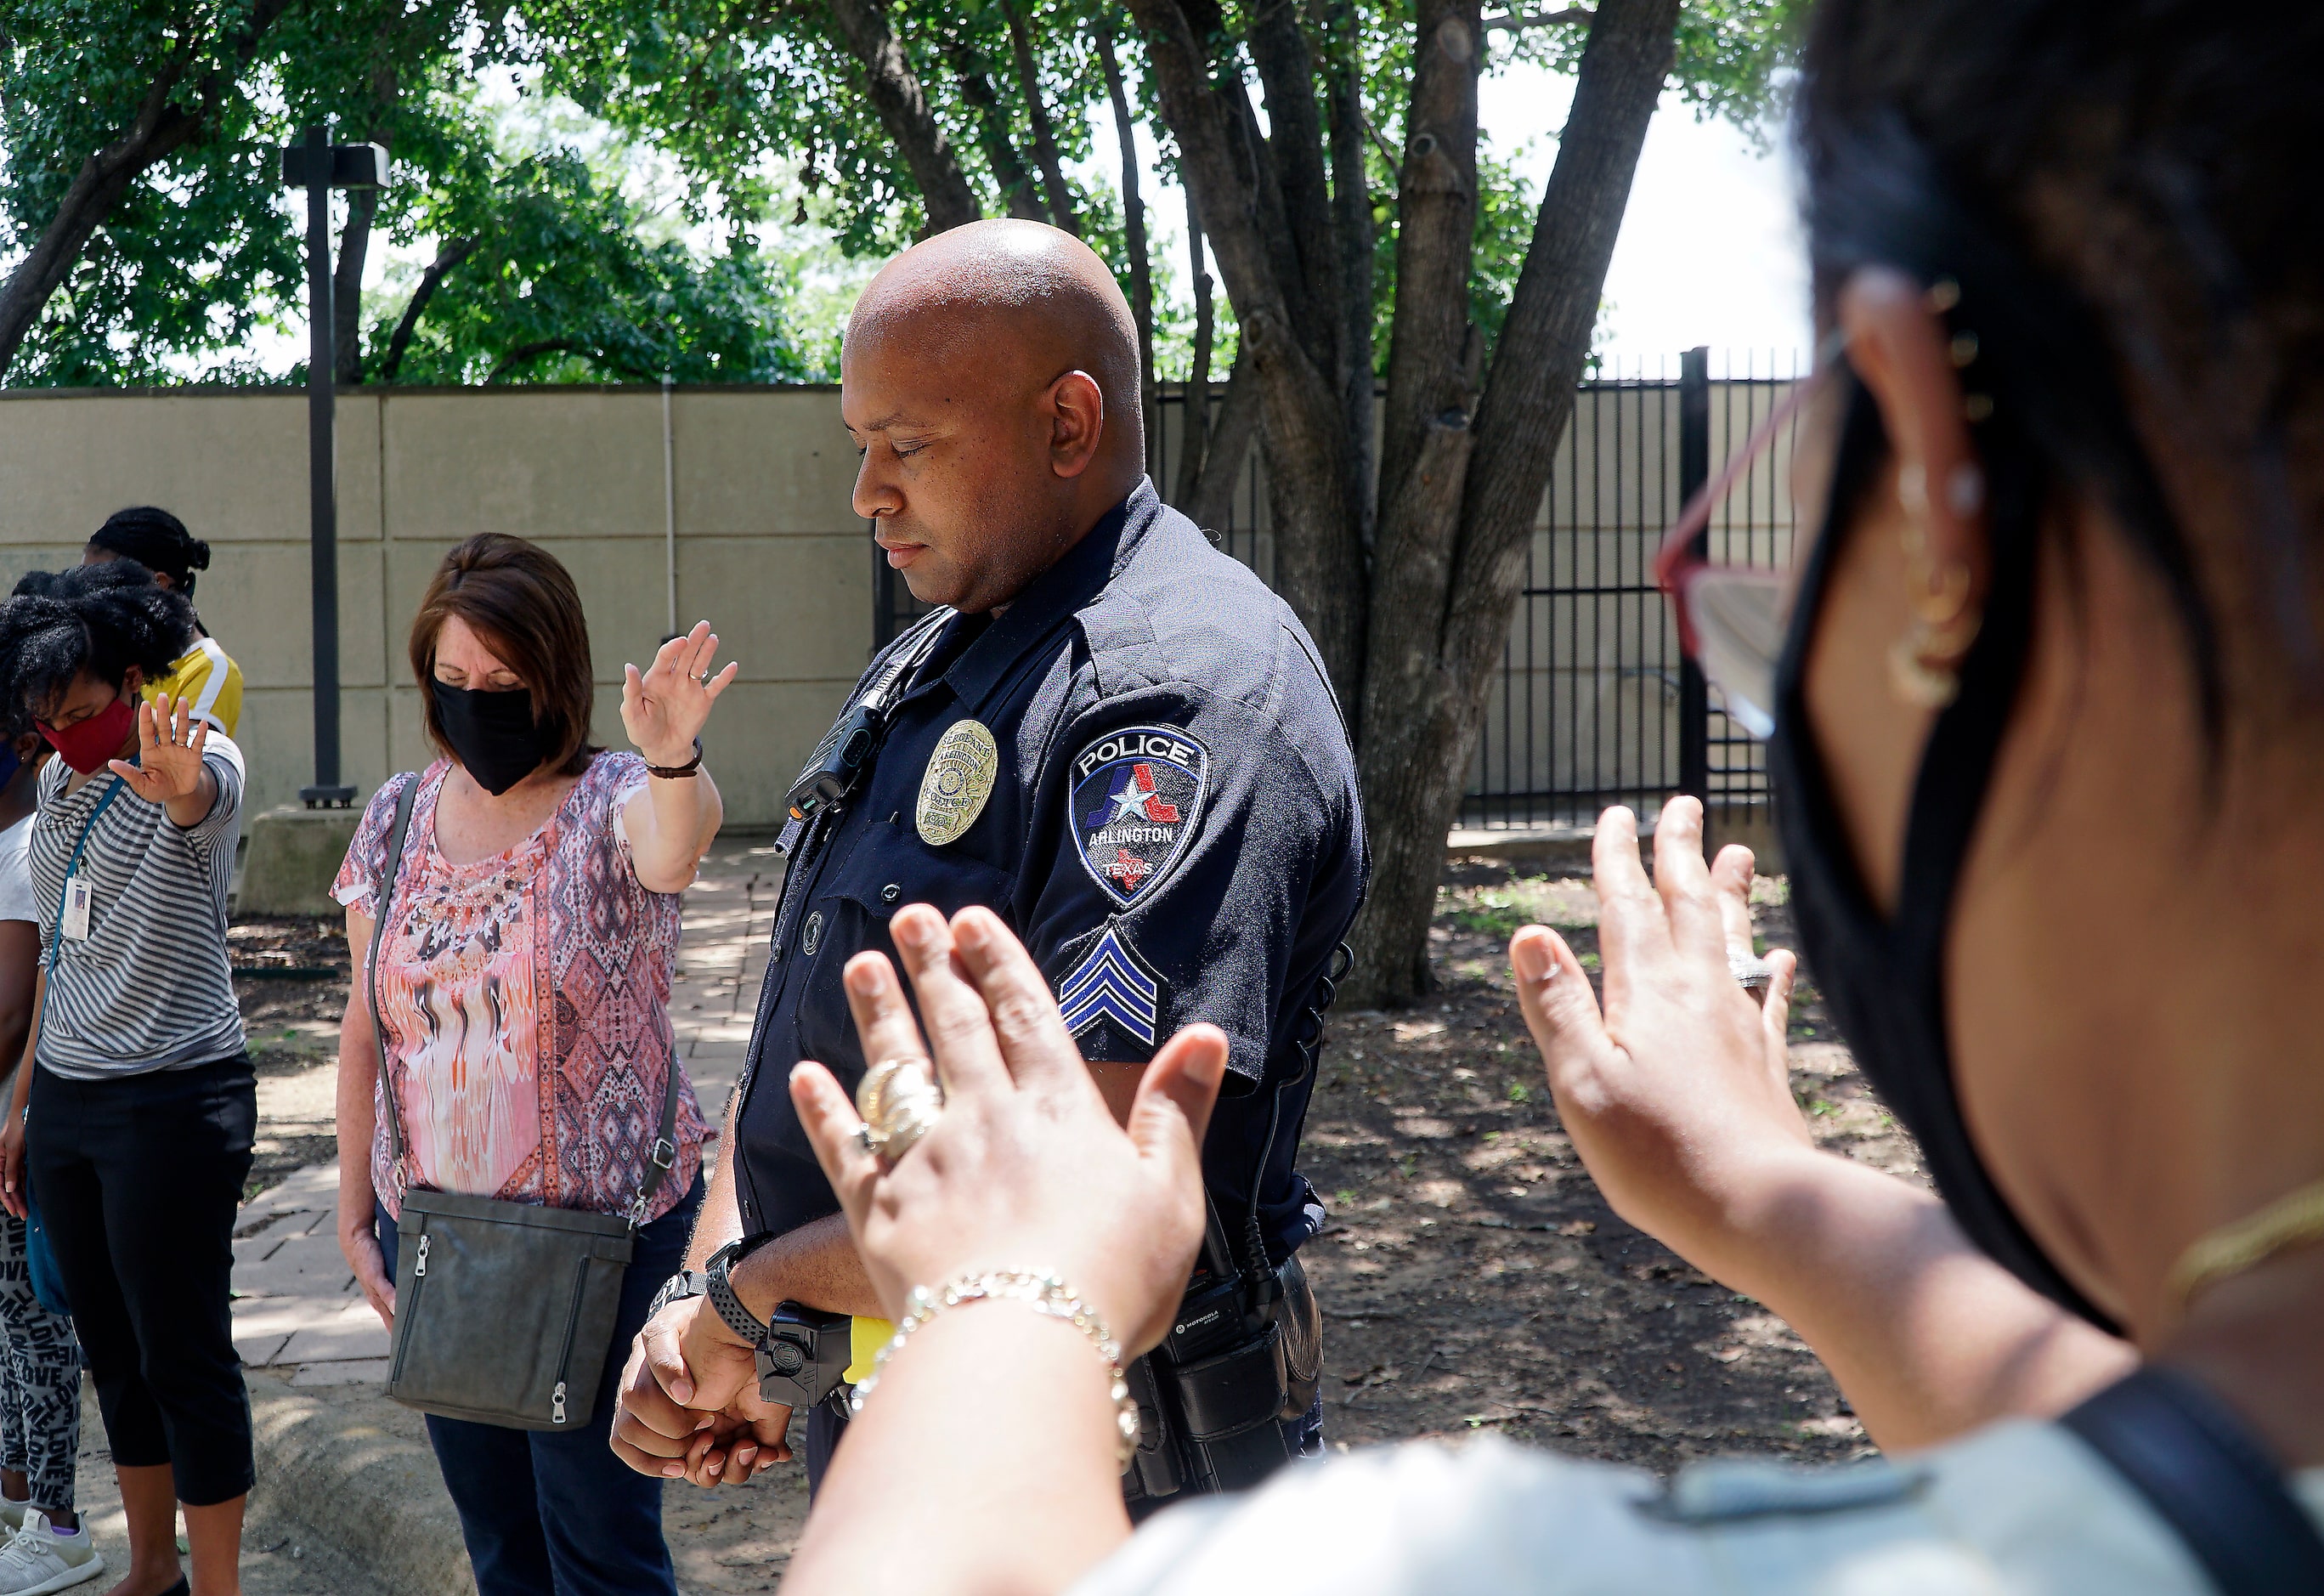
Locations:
column 992, row 128
column 1212, row 502
column 450, row 256
column 347, row 288
column 354, row 243
column 1352, row 213
column 1229, row 175
column 1194, row 421
column 159, row 128
column 1133, row 227
column 1435, row 248
column 1045, row 137
column 1294, row 149
column 903, row 109
column 1453, row 538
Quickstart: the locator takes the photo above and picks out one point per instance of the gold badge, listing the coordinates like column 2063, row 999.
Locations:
column 958, row 782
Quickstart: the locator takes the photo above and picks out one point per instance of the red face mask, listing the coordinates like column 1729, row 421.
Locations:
column 86, row 745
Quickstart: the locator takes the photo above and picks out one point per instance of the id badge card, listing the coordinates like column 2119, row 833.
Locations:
column 78, row 894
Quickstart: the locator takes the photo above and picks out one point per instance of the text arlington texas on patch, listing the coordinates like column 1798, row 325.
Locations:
column 1134, row 797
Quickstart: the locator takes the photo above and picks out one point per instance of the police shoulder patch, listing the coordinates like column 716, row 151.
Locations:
column 1134, row 797
column 1112, row 984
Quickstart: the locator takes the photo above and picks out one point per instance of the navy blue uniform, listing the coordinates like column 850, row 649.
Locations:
column 1172, row 830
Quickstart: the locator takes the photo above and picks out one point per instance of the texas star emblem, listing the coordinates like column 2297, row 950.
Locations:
column 1134, row 796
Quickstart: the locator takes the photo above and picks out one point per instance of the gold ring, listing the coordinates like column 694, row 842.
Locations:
column 900, row 1101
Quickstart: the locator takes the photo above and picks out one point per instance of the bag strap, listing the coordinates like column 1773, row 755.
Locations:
column 2198, row 1468
column 390, row 877
column 660, row 1157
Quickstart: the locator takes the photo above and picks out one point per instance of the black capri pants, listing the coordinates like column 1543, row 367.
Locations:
column 139, row 1180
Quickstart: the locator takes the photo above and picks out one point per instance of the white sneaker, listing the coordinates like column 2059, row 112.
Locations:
column 12, row 1517
column 39, row 1559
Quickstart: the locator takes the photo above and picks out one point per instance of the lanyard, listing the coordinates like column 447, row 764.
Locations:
column 57, row 942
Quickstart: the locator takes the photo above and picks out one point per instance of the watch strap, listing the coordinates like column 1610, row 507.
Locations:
column 684, row 1284
column 720, row 1288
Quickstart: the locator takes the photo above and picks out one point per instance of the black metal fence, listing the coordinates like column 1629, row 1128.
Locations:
column 1593, row 705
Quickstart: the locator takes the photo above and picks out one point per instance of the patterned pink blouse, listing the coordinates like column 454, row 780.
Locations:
column 526, row 999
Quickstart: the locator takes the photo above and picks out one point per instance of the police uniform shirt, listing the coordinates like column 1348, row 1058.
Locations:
column 1172, row 829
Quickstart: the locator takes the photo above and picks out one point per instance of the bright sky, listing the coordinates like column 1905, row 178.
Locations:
column 1710, row 251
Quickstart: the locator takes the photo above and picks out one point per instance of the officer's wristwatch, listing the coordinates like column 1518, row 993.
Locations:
column 712, row 1281
column 720, row 1289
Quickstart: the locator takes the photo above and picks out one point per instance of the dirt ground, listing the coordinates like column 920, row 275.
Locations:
column 1471, row 1278
column 291, row 975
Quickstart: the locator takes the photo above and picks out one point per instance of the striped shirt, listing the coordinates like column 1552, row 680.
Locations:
column 150, row 988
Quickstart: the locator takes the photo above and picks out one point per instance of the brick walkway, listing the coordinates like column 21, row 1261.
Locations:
column 299, row 1316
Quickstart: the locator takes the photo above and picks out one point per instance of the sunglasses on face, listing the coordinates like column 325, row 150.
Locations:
column 1732, row 618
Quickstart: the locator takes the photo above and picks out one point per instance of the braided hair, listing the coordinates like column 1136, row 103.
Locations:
column 156, row 540
column 97, row 620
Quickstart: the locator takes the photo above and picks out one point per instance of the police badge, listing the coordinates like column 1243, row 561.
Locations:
column 1134, row 795
column 959, row 779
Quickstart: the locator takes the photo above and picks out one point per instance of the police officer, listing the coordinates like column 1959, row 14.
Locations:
column 1122, row 741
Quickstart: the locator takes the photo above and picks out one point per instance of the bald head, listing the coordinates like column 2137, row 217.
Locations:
column 991, row 377
column 1021, row 301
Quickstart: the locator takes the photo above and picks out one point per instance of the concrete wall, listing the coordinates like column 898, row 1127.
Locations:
column 768, row 550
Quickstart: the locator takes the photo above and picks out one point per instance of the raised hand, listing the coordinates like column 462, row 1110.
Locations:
column 664, row 708
column 170, row 745
column 1678, row 1095
column 1025, row 1168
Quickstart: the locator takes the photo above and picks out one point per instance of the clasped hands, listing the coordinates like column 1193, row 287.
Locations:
column 1025, row 1168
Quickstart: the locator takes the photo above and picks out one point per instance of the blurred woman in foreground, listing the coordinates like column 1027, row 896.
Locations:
column 2046, row 689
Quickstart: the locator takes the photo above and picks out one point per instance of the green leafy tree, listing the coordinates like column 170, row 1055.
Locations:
column 558, row 278
column 150, row 238
column 139, row 111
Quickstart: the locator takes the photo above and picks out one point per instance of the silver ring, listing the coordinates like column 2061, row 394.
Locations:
column 1754, row 974
column 867, row 1139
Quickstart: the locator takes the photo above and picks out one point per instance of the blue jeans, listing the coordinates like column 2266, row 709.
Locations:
column 550, row 1515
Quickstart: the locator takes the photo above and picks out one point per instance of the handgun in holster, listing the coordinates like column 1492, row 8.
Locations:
column 805, row 1353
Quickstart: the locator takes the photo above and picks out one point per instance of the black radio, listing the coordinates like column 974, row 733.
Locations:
column 836, row 764
column 804, row 1355
column 839, row 761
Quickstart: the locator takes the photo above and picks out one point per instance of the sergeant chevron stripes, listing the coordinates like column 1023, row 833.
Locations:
column 1109, row 985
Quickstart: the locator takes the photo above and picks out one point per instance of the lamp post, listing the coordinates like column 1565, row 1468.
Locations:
column 318, row 166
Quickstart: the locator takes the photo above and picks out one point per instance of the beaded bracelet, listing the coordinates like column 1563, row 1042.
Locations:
column 1038, row 1289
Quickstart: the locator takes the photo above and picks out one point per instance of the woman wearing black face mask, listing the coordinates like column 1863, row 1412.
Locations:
column 2046, row 693
column 526, row 948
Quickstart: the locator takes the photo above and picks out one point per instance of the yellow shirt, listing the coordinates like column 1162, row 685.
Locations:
column 211, row 681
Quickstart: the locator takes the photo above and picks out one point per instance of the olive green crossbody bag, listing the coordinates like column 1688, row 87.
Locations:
column 503, row 1311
